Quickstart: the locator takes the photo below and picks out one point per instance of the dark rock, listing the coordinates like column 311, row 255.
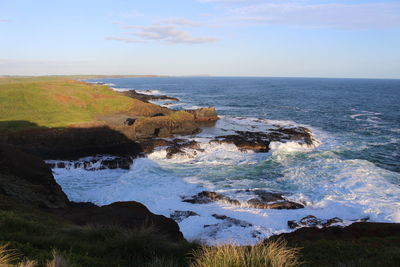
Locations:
column 180, row 215
column 271, row 200
column 95, row 163
column 232, row 221
column 204, row 114
column 312, row 221
column 205, row 197
column 158, row 115
column 178, row 147
column 146, row 98
column 260, row 141
column 128, row 214
column 284, row 204
column 354, row 231
column 72, row 143
column 27, row 178
column 256, row 141
column 129, row 121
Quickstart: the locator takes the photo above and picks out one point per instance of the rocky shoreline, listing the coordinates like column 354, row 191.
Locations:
column 117, row 139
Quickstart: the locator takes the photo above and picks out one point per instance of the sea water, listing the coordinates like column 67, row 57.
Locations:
column 352, row 170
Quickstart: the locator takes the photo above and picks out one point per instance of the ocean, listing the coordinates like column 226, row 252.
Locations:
column 352, row 171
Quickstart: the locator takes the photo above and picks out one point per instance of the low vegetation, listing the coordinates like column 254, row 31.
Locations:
column 271, row 254
column 56, row 102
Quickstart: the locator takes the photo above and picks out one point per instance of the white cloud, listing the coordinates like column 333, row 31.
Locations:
column 181, row 22
column 124, row 39
column 311, row 14
column 170, row 31
column 170, row 34
column 4, row 20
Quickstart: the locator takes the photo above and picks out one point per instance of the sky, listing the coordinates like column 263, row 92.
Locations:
column 276, row 38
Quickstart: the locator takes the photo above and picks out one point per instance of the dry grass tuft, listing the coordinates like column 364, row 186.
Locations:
column 7, row 256
column 57, row 261
column 271, row 254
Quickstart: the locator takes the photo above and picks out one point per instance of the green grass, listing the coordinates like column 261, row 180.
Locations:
column 55, row 102
column 34, row 235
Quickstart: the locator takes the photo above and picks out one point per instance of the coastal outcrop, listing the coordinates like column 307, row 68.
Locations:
column 94, row 163
column 312, row 221
column 72, row 143
column 204, row 114
column 206, row 197
column 180, row 122
column 128, row 214
column 270, row 200
column 147, row 97
column 260, row 141
column 27, row 179
column 264, row 200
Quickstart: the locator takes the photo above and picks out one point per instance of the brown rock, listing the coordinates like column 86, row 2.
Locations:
column 204, row 114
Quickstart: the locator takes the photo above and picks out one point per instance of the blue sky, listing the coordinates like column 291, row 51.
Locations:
column 301, row 38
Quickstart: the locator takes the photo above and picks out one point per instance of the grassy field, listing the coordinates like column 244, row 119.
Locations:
column 56, row 102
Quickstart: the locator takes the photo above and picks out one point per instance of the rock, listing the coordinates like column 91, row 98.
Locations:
column 232, row 221
column 128, row 214
column 95, row 163
column 158, row 115
column 271, row 200
column 260, row 141
column 129, row 121
column 27, row 178
column 312, row 221
column 72, row 143
column 180, row 215
column 180, row 122
column 145, row 97
column 204, row 114
column 178, row 147
column 354, row 231
column 206, row 197
column 279, row 205
column 256, row 141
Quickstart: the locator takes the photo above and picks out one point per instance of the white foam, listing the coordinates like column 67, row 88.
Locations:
column 314, row 175
column 149, row 92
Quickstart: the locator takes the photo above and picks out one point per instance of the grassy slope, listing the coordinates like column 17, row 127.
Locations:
column 34, row 234
column 57, row 102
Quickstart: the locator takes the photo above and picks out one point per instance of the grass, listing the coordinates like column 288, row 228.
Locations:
column 34, row 234
column 271, row 254
column 56, row 102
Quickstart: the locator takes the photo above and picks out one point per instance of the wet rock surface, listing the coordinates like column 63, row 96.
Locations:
column 312, row 221
column 206, row 197
column 264, row 200
column 178, row 146
column 146, row 97
column 271, row 200
column 95, row 163
column 180, row 215
column 232, row 221
column 260, row 141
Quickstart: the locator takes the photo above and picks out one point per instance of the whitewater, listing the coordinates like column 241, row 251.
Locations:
column 329, row 177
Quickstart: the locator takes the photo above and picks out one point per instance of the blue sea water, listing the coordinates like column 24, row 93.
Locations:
column 352, row 173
